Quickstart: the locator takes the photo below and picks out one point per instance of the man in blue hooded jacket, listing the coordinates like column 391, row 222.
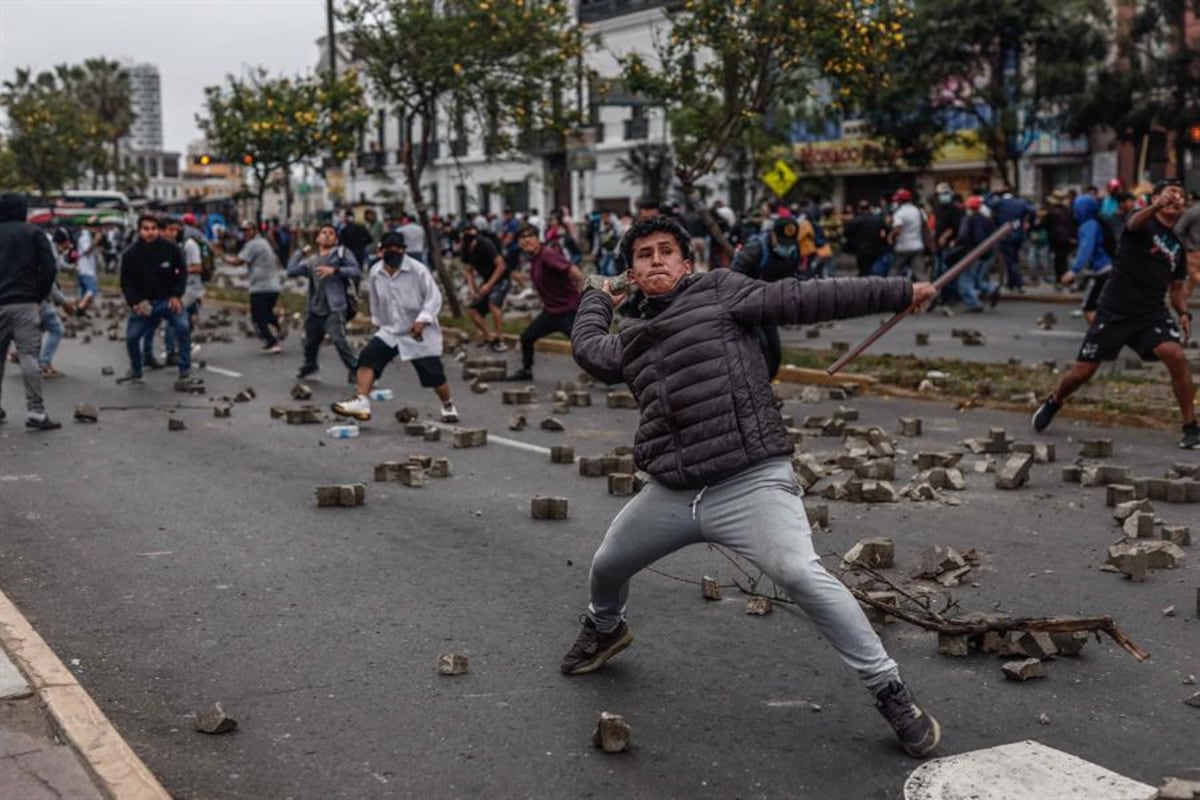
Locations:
column 1090, row 253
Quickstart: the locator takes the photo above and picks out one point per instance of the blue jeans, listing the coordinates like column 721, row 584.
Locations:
column 975, row 281
column 1010, row 251
column 52, row 327
column 169, row 333
column 757, row 514
column 139, row 328
column 88, row 285
column 882, row 266
column 606, row 265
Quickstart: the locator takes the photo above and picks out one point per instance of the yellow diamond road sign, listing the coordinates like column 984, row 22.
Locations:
column 781, row 178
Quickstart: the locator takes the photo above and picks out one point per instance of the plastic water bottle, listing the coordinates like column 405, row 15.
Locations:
column 381, row 394
column 343, row 431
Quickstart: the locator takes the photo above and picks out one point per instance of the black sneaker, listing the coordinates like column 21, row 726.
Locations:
column 916, row 730
column 1190, row 440
column 1045, row 413
column 520, row 375
column 306, row 370
column 593, row 648
column 42, row 423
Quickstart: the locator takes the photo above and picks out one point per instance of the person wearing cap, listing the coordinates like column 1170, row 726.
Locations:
column 1110, row 205
column 260, row 261
column 975, row 283
column 405, row 303
column 331, row 271
column 1151, row 263
column 713, row 443
column 908, row 234
column 771, row 257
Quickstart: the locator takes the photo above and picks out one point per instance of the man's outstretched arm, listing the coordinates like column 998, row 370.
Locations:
column 596, row 350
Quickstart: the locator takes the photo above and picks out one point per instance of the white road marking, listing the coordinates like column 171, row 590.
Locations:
column 228, row 373
column 1059, row 334
column 1028, row 770
column 11, row 478
column 502, row 440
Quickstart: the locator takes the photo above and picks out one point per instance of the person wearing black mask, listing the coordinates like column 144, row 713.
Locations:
column 771, row 256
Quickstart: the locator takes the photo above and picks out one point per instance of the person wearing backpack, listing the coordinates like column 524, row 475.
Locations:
column 258, row 256
column 770, row 257
column 331, row 271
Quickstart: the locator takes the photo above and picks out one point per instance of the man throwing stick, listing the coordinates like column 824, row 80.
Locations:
column 1150, row 263
column 716, row 448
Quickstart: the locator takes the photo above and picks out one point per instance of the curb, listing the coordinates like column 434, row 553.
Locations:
column 108, row 758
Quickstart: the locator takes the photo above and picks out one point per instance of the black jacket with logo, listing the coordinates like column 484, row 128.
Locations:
column 27, row 263
column 152, row 272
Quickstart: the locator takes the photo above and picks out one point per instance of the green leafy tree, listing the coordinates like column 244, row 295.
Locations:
column 1154, row 81
column 272, row 124
column 50, row 141
column 481, row 63
column 1007, row 69
column 10, row 176
column 103, row 91
column 648, row 167
column 727, row 68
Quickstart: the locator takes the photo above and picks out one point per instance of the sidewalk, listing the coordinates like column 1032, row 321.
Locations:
column 54, row 741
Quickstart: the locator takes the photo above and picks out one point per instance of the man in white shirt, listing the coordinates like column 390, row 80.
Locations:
column 87, row 245
column 908, row 241
column 404, row 310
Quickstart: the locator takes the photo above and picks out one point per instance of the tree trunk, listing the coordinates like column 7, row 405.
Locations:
column 287, row 195
column 434, row 252
column 116, row 162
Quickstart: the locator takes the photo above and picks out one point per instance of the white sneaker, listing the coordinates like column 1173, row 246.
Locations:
column 273, row 350
column 449, row 412
column 359, row 408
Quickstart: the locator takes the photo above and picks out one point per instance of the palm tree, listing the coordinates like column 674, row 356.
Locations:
column 103, row 90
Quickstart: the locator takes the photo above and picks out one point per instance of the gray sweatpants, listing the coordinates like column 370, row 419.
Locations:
column 759, row 515
column 21, row 324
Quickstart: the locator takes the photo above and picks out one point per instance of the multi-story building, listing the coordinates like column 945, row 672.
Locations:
column 145, row 86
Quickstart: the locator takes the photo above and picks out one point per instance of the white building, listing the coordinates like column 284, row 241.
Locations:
column 146, row 94
column 464, row 177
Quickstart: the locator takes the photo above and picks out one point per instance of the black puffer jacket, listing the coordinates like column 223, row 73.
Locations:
column 694, row 362
column 27, row 263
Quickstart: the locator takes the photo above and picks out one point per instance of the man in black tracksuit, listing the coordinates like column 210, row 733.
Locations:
column 153, row 279
column 27, row 270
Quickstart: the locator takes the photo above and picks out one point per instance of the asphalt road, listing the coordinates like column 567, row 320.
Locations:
column 174, row 569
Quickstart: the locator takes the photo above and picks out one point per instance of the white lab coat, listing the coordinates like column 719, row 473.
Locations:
column 399, row 300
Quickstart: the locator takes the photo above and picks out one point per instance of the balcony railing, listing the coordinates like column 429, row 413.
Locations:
column 435, row 151
column 542, row 142
column 597, row 10
column 373, row 161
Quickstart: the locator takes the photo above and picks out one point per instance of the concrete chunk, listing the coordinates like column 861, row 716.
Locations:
column 301, row 391
column 86, row 412
column 579, row 398
column 553, row 424
column 759, row 606
column 452, row 664
column 175, row 424
column 516, row 397
column 1034, row 644
column 929, row 460
column 349, row 495
column 302, row 416
column 1117, row 493
column 407, row 414
column 910, row 426
column 1160, row 554
column 562, row 454
column 612, row 733
column 549, row 508
column 1124, row 510
column 621, row 399
column 818, row 515
column 1139, row 525
column 433, row 434
column 412, row 475
column 620, row 484
column 955, row 645
column 1042, row 453
column 875, row 552
column 470, row 437
column 440, row 468
column 1072, row 473
column 1025, row 670
column 1015, row 472
column 1096, row 448
column 1178, row 534
column 214, row 721
column 709, row 588
column 223, row 410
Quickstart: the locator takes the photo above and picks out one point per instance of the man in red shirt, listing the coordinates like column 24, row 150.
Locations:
column 556, row 282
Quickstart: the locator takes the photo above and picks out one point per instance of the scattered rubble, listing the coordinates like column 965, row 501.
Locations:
column 1015, row 472
column 1024, row 670
column 345, row 495
column 612, row 733
column 620, row 484
column 1096, row 448
column 910, row 426
column 758, row 606
column 301, row 392
column 86, row 412
column 452, row 664
column 621, row 399
column 549, row 508
column 470, row 437
column 213, row 720
column 175, row 424
column 709, row 588
column 875, row 552
column 552, row 424
column 1159, row 554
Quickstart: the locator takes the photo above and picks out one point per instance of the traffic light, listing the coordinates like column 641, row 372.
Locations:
column 1194, row 134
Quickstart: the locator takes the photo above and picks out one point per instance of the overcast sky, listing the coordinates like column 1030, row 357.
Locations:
column 194, row 43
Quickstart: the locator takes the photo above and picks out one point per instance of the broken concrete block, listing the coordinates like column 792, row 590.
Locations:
column 552, row 424
column 945, row 478
column 301, row 392
column 919, row 492
column 349, row 495
column 1160, row 554
column 412, row 475
column 589, row 466
column 846, row 414
column 439, row 468
column 277, row 412
column 579, row 398
column 302, row 416
column 922, row 339
column 407, row 414
column 1177, row 491
column 1096, row 448
column 562, row 454
column 833, row 427
column 1124, row 510
column 549, row 508
column 1070, row 644
column 1034, row 644
column 955, row 645
column 838, row 393
column 1015, row 472
column 1025, row 670
column 213, row 720
column 1042, row 453
column 880, row 469
column 620, row 484
column 107, row 371
column 709, row 588
column 86, row 412
column 1178, row 534
column 518, row 423
column 479, row 387
column 415, row 429
column 1072, row 473
column 1117, row 493
column 1103, row 475
column 875, row 552
column 910, row 426
column 452, row 664
column 433, row 434
column 223, row 410
column 175, row 424
column 388, row 470
column 759, row 606
column 612, row 733
column 1178, row 789
column 1139, row 525
column 936, row 560
column 818, row 516
column 516, row 397
column 245, row 395
column 561, row 408
column 925, row 461
column 811, row 394
column 470, row 437
column 621, row 399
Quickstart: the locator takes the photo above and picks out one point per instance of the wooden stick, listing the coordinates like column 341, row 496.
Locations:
column 950, row 274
